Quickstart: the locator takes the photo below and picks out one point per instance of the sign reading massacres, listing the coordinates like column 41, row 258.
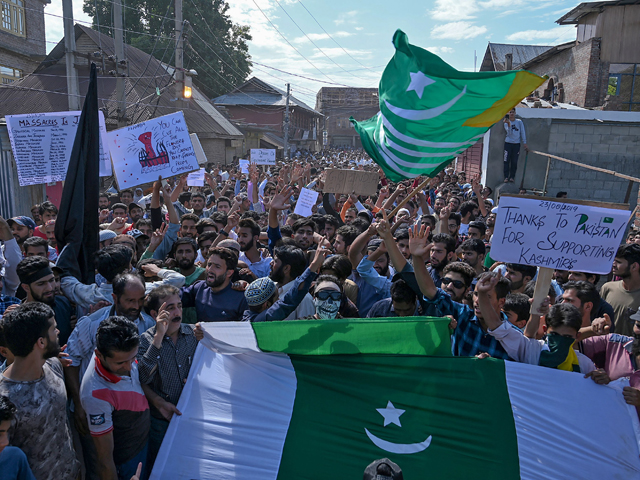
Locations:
column 565, row 235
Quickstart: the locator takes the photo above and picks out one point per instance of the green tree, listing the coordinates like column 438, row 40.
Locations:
column 214, row 46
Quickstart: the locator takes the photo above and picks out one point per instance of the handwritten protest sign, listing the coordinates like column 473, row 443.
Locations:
column 263, row 156
column 306, row 201
column 351, row 181
column 160, row 146
column 42, row 144
column 196, row 179
column 560, row 234
column 197, row 147
column 244, row 166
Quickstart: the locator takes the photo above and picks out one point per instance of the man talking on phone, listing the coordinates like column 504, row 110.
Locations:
column 515, row 133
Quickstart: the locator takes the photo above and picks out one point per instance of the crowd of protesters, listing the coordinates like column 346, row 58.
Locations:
column 92, row 373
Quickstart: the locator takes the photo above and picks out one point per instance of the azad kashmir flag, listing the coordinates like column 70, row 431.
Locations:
column 430, row 112
column 322, row 399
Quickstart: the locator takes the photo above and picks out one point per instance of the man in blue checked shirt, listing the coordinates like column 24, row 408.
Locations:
column 470, row 336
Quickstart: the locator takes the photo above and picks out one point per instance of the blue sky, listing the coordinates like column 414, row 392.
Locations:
column 349, row 42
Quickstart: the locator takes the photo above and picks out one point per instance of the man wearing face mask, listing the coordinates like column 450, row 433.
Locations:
column 263, row 298
column 327, row 296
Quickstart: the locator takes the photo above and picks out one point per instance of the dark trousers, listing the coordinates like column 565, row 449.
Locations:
column 511, row 154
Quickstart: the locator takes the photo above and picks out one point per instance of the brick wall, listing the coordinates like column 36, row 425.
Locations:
column 25, row 53
column 597, row 76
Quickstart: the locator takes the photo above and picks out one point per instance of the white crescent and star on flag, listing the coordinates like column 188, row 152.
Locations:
column 391, row 414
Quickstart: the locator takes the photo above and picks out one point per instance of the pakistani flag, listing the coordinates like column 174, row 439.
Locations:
column 430, row 112
column 318, row 400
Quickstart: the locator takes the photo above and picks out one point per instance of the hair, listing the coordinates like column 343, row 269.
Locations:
column 331, row 220
column 30, row 265
column 23, row 327
column 596, row 277
column 526, row 270
column 223, row 199
column 36, row 242
column 564, row 314
column 47, row 207
column 360, row 224
column 120, row 282
column 318, row 220
column 530, row 288
column 631, row 253
column 518, row 303
column 503, row 287
column 156, row 297
column 474, row 245
column 189, row 216
column 219, row 217
column 339, row 264
column 251, row 224
column 7, row 409
column 461, row 268
column 585, row 291
column 198, row 195
column 561, row 194
column 327, row 278
column 401, row 234
column 184, row 197
column 467, row 207
column 112, row 260
column 292, row 256
column 401, row 292
column 226, row 254
column 141, row 222
column 105, row 195
column 479, row 225
column 490, row 189
column 456, row 218
column 203, row 237
column 150, row 261
column 286, row 231
column 119, row 205
column 250, row 214
column 133, row 206
column 184, row 241
column 126, row 190
column 303, row 222
column 116, row 334
column 348, row 233
column 446, row 239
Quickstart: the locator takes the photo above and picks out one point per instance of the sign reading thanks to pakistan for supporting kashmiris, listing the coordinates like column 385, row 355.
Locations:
column 559, row 234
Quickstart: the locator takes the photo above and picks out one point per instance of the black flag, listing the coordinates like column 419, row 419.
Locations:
column 77, row 225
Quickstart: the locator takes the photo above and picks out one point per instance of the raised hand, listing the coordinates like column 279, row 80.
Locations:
column 233, row 220
column 319, row 257
column 383, row 228
column 601, row 326
column 488, row 282
column 162, row 320
column 279, row 201
column 444, row 213
column 419, row 242
column 157, row 237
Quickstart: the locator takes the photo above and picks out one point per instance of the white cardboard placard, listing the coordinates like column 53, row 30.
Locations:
column 196, row 179
column 263, row 156
column 306, row 201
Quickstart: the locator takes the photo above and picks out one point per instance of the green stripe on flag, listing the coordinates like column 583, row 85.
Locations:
column 454, row 414
column 393, row 336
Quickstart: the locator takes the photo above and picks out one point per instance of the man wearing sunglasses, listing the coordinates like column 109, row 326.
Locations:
column 457, row 280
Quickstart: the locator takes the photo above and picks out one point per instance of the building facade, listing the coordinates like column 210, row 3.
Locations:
column 337, row 104
column 22, row 38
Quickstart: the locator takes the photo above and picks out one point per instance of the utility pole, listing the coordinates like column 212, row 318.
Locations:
column 73, row 88
column 286, row 123
column 118, row 37
column 179, row 53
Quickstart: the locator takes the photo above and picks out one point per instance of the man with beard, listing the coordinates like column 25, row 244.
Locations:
column 473, row 252
column 248, row 235
column 38, row 281
column 303, row 233
column 22, row 228
column 457, row 279
column 117, row 410
column 288, row 264
column 135, row 212
column 468, row 213
column 471, row 336
column 624, row 294
column 442, row 252
column 164, row 360
column 34, row 382
column 185, row 255
column 214, row 299
column 128, row 299
column 519, row 275
column 615, row 356
column 584, row 296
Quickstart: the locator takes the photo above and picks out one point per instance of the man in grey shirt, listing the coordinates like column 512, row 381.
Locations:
column 515, row 133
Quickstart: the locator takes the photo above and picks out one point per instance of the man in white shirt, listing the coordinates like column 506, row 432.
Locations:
column 514, row 129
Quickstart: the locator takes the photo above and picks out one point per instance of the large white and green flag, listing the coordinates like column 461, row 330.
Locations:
column 430, row 112
column 313, row 400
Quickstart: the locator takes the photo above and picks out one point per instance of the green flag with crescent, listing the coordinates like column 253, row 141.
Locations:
column 430, row 112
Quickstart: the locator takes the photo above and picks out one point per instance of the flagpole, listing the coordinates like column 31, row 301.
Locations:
column 404, row 202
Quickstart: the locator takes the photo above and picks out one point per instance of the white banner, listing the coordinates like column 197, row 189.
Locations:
column 263, row 156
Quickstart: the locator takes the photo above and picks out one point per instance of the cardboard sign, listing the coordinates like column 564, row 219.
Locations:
column 306, row 201
column 263, row 156
column 244, row 166
column 351, row 181
column 196, row 179
column 160, row 146
column 197, row 147
column 42, row 144
column 557, row 233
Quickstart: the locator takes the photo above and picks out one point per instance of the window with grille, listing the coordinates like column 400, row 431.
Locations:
column 13, row 17
column 9, row 75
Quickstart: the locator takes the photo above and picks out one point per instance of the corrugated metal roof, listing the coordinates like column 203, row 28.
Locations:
column 521, row 54
column 575, row 14
column 267, row 96
column 45, row 90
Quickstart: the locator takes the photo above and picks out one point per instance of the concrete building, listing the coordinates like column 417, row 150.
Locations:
column 22, row 38
column 499, row 57
column 337, row 104
column 257, row 103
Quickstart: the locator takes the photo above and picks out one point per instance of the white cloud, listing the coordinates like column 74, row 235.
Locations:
column 449, row 10
column 553, row 34
column 338, row 52
column 321, row 36
column 440, row 50
column 499, row 3
column 457, row 31
column 347, row 17
column 359, row 28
